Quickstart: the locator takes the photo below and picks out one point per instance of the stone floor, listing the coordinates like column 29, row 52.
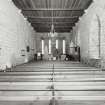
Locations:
column 37, row 83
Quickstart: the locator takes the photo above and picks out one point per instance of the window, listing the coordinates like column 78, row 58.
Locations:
column 42, row 46
column 57, row 44
column 64, row 46
column 49, row 46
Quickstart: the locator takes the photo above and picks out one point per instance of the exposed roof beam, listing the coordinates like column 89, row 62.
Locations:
column 55, row 27
column 49, row 17
column 58, row 31
column 53, row 9
column 46, row 24
column 56, row 23
column 53, row 24
column 62, row 29
column 46, row 30
column 46, row 27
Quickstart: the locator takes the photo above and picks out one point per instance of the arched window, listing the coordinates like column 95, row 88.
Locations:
column 42, row 46
column 64, row 46
column 57, row 44
column 49, row 46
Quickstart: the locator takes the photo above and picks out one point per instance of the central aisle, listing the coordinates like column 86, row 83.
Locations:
column 52, row 83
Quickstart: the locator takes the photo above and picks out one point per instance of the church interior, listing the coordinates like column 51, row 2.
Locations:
column 52, row 52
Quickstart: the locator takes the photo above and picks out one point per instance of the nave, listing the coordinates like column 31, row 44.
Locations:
column 52, row 83
column 55, row 35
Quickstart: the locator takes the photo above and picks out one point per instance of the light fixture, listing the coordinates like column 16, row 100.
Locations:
column 52, row 31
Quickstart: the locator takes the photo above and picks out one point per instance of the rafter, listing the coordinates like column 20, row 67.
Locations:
column 62, row 27
column 60, row 23
column 56, row 30
column 49, row 29
column 46, row 30
column 53, row 9
column 54, row 27
column 33, row 20
column 55, row 17
column 49, row 24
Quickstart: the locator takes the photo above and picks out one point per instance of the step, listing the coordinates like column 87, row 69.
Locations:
column 50, row 69
column 49, row 93
column 43, row 102
column 55, row 83
column 50, row 80
column 80, row 102
column 48, row 88
column 78, row 88
column 50, row 73
column 55, row 76
column 35, row 98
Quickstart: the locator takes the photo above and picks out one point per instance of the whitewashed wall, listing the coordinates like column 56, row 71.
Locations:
column 89, row 31
column 15, row 34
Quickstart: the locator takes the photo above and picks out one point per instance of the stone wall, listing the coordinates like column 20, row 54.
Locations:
column 89, row 34
column 15, row 35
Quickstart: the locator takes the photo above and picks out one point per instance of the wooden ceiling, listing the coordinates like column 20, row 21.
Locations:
column 63, row 13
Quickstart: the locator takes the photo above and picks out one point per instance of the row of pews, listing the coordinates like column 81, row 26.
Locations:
column 52, row 83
